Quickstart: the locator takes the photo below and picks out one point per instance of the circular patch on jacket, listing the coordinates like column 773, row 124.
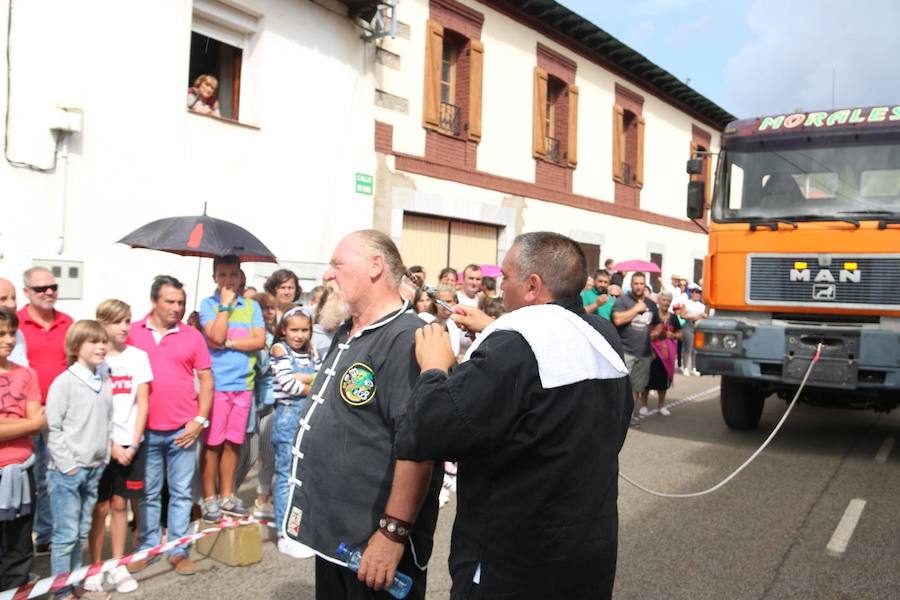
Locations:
column 358, row 385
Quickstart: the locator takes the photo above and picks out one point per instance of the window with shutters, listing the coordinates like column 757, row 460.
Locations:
column 628, row 147
column 698, row 271
column 555, row 120
column 451, row 101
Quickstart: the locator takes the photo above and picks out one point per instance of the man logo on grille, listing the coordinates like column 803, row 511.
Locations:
column 827, row 291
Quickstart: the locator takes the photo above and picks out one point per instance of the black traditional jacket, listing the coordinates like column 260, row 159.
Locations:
column 538, row 469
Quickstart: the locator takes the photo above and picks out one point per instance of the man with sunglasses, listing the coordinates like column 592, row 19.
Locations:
column 44, row 329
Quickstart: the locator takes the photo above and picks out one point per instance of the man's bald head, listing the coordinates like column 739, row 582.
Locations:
column 7, row 294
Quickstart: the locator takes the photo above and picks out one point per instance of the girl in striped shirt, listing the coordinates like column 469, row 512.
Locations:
column 294, row 363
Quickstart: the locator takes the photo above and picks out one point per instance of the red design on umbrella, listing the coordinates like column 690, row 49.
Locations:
column 196, row 236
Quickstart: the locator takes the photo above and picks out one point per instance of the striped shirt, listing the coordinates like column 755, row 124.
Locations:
column 287, row 387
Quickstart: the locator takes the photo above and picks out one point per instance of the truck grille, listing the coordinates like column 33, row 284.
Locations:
column 775, row 279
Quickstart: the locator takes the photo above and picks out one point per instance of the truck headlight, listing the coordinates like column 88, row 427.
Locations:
column 729, row 342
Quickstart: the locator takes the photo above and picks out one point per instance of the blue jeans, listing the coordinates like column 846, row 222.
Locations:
column 287, row 421
column 163, row 456
column 43, row 512
column 73, row 498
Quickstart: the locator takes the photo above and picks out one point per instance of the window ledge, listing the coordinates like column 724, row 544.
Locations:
column 463, row 137
column 224, row 120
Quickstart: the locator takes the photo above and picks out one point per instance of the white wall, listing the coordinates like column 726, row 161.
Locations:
column 307, row 85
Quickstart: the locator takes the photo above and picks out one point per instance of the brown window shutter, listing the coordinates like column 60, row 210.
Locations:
column 431, row 99
column 539, row 129
column 639, row 167
column 618, row 142
column 476, row 70
column 708, row 165
column 573, row 126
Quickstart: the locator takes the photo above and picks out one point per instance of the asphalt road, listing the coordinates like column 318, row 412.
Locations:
column 764, row 535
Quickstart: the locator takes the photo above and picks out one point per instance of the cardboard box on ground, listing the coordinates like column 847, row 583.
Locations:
column 235, row 546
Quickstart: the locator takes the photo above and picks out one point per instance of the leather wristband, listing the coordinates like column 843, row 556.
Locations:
column 394, row 529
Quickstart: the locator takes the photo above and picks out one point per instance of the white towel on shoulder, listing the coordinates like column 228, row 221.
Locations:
column 566, row 347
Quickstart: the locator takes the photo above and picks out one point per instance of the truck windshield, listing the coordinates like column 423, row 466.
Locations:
column 812, row 182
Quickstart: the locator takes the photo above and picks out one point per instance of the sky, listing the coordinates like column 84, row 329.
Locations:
column 758, row 57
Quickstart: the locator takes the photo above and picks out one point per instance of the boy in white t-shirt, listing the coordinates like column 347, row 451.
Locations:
column 129, row 371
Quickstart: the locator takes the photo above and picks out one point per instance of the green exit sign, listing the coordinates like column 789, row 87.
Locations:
column 364, row 184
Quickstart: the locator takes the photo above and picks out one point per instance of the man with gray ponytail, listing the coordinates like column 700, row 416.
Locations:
column 347, row 484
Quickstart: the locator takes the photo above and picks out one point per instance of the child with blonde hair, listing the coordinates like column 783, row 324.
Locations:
column 128, row 369
column 78, row 409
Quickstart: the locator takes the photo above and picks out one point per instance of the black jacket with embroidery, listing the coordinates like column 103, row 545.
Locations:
column 538, row 468
column 346, row 440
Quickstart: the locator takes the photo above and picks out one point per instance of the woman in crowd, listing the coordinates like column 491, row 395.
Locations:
column 448, row 276
column 284, row 285
column 423, row 305
column 665, row 352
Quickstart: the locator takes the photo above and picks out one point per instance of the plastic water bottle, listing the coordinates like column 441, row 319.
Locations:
column 399, row 588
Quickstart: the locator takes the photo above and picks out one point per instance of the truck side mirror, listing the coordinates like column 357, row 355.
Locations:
column 696, row 199
column 695, row 166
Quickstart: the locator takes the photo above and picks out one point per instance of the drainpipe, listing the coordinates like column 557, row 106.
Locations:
column 62, row 167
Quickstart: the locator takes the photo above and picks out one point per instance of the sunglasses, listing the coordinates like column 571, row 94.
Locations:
column 40, row 289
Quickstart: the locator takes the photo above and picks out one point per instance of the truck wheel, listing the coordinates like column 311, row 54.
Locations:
column 742, row 403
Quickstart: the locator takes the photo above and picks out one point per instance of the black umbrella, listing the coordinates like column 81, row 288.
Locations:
column 199, row 235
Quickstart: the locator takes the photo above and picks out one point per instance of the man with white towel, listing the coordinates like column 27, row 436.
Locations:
column 536, row 416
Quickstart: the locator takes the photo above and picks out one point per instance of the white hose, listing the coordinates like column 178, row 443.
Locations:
column 753, row 456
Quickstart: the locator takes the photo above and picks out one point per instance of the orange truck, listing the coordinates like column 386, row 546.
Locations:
column 804, row 248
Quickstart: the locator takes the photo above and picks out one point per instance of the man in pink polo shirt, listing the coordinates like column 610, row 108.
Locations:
column 177, row 416
column 44, row 329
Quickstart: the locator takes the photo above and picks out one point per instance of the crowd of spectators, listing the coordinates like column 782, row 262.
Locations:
column 165, row 417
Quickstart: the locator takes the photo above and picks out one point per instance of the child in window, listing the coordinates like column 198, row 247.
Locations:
column 129, row 372
column 78, row 409
column 201, row 96
column 21, row 416
column 294, row 363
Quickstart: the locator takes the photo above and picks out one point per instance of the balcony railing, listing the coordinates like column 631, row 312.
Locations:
column 450, row 117
column 551, row 149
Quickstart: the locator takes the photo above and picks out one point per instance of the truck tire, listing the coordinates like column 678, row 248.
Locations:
column 742, row 403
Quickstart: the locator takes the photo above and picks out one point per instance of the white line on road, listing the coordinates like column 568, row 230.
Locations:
column 885, row 451
column 844, row 531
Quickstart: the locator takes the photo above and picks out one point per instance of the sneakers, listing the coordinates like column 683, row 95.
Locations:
column 685, row 372
column 294, row 549
column 644, row 412
column 136, row 566
column 233, row 507
column 664, row 411
column 182, row 564
column 93, row 585
column 122, row 579
column 210, row 510
column 263, row 510
column 695, row 373
column 635, row 422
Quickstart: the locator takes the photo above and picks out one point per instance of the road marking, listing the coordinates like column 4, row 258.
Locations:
column 844, row 531
column 687, row 400
column 885, row 450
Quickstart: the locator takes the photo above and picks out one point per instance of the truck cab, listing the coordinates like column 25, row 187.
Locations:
column 804, row 248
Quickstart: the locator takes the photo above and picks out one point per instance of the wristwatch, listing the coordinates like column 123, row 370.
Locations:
column 202, row 420
column 226, row 307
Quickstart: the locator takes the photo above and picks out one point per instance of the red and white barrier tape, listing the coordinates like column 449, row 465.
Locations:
column 50, row 584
